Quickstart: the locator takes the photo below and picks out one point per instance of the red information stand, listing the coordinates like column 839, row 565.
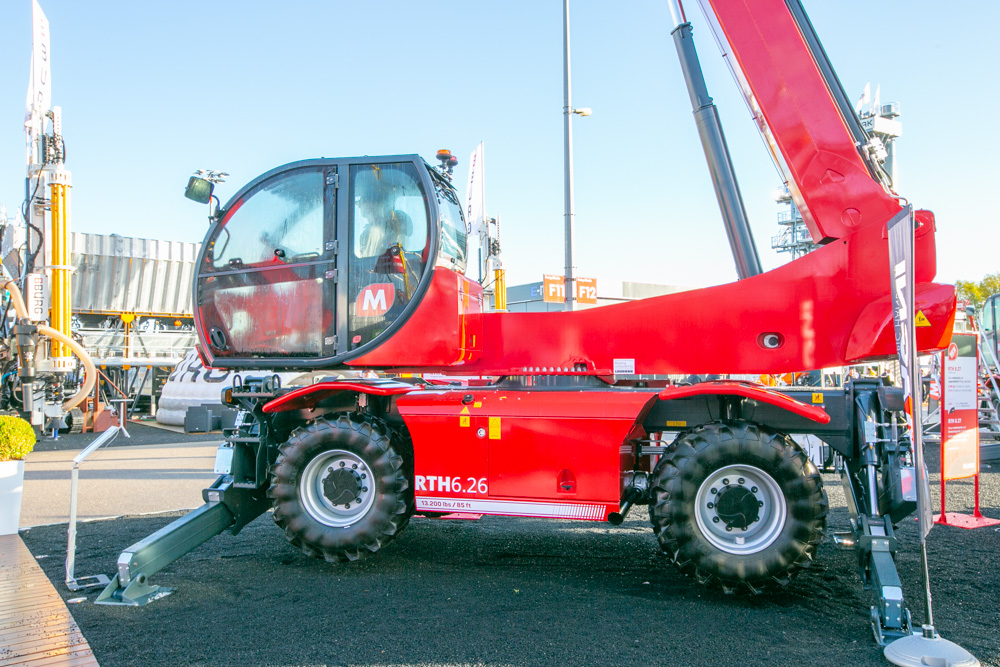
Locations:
column 960, row 425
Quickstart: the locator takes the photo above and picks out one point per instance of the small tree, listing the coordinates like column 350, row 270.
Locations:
column 976, row 292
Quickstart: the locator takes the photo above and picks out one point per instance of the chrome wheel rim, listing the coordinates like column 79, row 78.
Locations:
column 725, row 512
column 335, row 469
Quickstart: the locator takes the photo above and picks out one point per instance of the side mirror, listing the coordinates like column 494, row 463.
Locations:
column 199, row 190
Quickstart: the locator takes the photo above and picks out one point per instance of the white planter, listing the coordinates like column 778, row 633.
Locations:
column 11, row 484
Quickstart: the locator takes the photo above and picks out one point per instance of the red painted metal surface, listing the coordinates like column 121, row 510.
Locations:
column 308, row 397
column 828, row 308
column 445, row 331
column 800, row 119
column 538, row 453
column 748, row 390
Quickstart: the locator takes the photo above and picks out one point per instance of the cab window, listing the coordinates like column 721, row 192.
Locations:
column 280, row 222
column 453, row 252
column 389, row 225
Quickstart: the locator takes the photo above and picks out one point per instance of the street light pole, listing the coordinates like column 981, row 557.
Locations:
column 568, row 167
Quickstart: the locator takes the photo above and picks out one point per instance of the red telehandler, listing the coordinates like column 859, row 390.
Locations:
column 329, row 265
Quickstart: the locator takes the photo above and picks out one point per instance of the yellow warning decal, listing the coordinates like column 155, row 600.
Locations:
column 817, row 398
column 463, row 420
column 465, row 410
column 494, row 428
column 677, row 423
column 921, row 320
column 477, row 404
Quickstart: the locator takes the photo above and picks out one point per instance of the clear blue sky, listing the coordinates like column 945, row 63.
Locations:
column 152, row 91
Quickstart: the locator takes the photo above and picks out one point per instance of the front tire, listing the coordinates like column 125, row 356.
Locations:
column 339, row 489
column 738, row 504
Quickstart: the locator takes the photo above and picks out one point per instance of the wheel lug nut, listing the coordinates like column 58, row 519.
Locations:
column 725, row 481
column 715, row 519
column 711, row 505
column 714, row 491
column 347, row 506
column 330, row 469
column 364, row 476
column 364, row 488
column 741, row 480
column 760, row 503
column 341, row 464
column 355, row 466
column 753, row 489
column 729, row 529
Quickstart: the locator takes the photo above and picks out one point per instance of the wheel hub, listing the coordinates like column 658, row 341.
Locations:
column 740, row 509
column 342, row 486
column 737, row 507
column 337, row 488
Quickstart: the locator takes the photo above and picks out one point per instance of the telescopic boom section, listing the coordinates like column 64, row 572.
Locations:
column 803, row 114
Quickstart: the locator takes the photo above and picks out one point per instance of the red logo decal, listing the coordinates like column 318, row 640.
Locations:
column 375, row 300
column 952, row 352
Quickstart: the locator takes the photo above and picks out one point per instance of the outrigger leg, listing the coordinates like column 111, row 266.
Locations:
column 225, row 507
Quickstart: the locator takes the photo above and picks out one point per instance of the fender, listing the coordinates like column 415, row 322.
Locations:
column 747, row 390
column 306, row 398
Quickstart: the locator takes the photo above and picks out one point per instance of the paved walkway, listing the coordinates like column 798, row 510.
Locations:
column 134, row 479
column 36, row 629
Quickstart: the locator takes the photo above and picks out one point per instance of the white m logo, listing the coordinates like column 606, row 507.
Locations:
column 375, row 300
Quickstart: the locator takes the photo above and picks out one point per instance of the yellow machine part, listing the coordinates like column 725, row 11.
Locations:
column 62, row 288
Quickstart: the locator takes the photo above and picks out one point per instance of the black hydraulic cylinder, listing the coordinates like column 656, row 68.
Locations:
column 720, row 165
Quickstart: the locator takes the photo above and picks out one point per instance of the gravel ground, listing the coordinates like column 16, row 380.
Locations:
column 507, row 591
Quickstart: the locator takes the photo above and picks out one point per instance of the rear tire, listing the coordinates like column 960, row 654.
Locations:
column 738, row 504
column 339, row 489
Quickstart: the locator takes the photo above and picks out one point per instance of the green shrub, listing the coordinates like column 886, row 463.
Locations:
column 17, row 438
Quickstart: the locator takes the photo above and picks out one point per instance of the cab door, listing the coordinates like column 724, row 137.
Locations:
column 267, row 278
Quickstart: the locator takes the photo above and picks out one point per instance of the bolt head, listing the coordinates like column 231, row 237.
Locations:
column 725, row 481
column 715, row 519
column 741, row 481
column 753, row 489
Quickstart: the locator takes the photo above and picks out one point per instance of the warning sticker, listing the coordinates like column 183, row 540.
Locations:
column 477, row 404
column 463, row 420
column 624, row 367
column 817, row 398
column 494, row 428
column 921, row 320
column 464, row 411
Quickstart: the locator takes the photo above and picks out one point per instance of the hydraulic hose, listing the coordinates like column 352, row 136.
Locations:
column 90, row 371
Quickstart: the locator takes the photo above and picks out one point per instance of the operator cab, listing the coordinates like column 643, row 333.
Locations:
column 318, row 262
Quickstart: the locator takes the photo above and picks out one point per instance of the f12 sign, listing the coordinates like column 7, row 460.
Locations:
column 375, row 300
column 586, row 290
